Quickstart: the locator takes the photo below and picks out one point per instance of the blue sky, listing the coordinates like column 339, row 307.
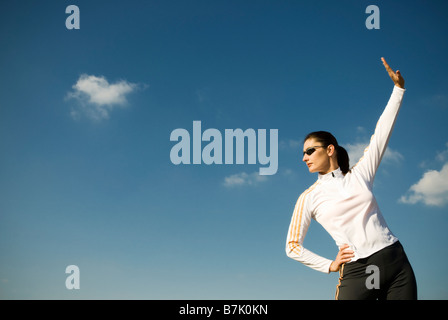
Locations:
column 85, row 123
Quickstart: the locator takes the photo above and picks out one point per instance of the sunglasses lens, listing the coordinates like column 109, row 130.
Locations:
column 309, row 151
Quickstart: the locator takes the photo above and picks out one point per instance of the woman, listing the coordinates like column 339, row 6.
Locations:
column 371, row 261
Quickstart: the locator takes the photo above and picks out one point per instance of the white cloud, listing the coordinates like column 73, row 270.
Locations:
column 431, row 189
column 360, row 130
column 356, row 151
column 98, row 97
column 290, row 145
column 435, row 100
column 443, row 155
column 392, row 156
column 244, row 179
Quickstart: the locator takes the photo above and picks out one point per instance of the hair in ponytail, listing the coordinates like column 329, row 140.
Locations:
column 343, row 159
column 326, row 138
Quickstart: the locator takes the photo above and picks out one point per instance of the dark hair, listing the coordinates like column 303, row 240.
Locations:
column 326, row 138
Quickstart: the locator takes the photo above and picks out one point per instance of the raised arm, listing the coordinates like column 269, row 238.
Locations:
column 373, row 154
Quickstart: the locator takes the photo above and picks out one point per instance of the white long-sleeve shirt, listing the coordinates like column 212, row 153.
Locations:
column 344, row 204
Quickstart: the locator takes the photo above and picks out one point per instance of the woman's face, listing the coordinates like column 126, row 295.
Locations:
column 319, row 160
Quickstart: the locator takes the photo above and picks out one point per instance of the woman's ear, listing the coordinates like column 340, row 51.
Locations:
column 331, row 150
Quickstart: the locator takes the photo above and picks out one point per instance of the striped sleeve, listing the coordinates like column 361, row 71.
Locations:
column 373, row 154
column 298, row 227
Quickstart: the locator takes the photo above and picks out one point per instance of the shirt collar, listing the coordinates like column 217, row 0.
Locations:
column 331, row 175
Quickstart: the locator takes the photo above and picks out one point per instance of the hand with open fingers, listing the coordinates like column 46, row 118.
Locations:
column 395, row 76
column 342, row 257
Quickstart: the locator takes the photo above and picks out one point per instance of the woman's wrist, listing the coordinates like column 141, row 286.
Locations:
column 332, row 268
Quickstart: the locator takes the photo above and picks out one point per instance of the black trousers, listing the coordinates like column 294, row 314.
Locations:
column 385, row 275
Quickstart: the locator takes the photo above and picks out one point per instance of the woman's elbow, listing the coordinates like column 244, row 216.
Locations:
column 292, row 250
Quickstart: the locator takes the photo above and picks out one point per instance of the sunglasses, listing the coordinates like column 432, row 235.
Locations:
column 311, row 150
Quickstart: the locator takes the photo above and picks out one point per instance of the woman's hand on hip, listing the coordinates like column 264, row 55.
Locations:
column 342, row 257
